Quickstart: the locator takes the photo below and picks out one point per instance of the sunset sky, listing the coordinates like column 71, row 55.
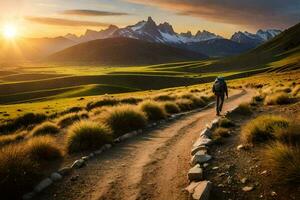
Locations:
column 49, row 18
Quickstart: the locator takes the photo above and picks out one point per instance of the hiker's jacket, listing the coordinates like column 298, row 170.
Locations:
column 220, row 87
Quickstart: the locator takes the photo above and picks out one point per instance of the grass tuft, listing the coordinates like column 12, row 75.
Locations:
column 226, row 123
column 296, row 91
column 165, row 97
column 125, row 118
column 102, row 102
column 185, row 104
column 154, row 111
column 171, row 107
column 71, row 118
column 46, row 128
column 222, row 132
column 86, row 135
column 243, row 109
column 279, row 98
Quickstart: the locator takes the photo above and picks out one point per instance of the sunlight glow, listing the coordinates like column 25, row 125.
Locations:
column 9, row 31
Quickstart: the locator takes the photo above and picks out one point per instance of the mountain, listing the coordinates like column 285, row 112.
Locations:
column 123, row 51
column 254, row 40
column 218, row 47
column 282, row 51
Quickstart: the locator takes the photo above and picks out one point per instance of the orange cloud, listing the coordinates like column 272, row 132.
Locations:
column 93, row 13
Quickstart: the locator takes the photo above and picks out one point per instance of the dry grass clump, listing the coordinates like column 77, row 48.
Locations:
column 46, row 128
column 42, row 148
column 243, row 109
column 296, row 91
column 185, row 104
column 262, row 128
column 86, row 135
column 284, row 161
column 226, row 123
column 22, row 121
column 283, row 89
column 279, row 98
column 222, row 132
column 196, row 101
column 125, row 118
column 171, row 107
column 131, row 100
column 165, row 97
column 108, row 101
column 69, row 119
column 12, row 138
column 289, row 135
column 154, row 111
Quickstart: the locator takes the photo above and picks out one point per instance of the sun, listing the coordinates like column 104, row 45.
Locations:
column 9, row 31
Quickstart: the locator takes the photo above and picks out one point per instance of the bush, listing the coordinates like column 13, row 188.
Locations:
column 46, row 128
column 262, row 128
column 185, row 104
column 289, row 135
column 131, row 100
column 102, row 102
column 153, row 110
column 225, row 123
column 123, row 119
column 171, row 107
column 165, row 97
column 243, row 109
column 69, row 119
column 296, row 90
column 86, row 135
column 284, row 161
column 277, row 99
column 18, row 173
column 22, row 121
column 42, row 148
column 197, row 102
column 222, row 132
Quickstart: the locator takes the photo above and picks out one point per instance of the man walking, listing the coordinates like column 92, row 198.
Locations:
column 220, row 89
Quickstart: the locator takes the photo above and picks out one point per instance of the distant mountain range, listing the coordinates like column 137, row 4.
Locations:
column 203, row 42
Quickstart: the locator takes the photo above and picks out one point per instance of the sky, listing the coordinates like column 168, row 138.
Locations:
column 51, row 18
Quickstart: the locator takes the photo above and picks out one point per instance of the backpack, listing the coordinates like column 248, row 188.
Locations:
column 219, row 86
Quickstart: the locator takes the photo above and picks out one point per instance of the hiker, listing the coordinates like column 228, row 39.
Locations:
column 220, row 89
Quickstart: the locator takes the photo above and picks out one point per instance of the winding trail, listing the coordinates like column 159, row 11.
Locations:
column 149, row 166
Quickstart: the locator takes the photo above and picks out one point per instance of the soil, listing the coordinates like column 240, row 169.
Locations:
column 153, row 165
column 230, row 165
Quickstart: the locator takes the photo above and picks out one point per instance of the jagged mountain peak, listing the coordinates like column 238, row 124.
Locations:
column 166, row 28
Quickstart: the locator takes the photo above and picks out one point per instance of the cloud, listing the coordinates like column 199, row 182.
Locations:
column 63, row 22
column 93, row 13
column 252, row 13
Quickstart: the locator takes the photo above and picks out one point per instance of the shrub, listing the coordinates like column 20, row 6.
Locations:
column 222, row 132
column 22, row 121
column 262, row 128
column 46, row 128
column 289, row 135
column 284, row 161
column 296, row 90
column 102, row 102
column 197, row 102
column 243, row 109
column 69, row 119
column 225, row 123
column 153, row 110
column 171, row 107
column 123, row 119
column 85, row 135
column 277, row 99
column 18, row 173
column 131, row 100
column 42, row 148
column 165, row 97
column 185, row 104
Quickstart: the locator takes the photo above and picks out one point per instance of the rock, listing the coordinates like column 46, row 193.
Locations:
column 214, row 123
column 65, row 171
column 200, row 158
column 273, row 194
column 98, row 152
column 205, row 165
column 108, row 146
column 55, row 176
column 29, row 195
column 244, row 180
column 202, row 191
column 221, row 174
column 198, row 148
column 43, row 185
column 74, row 178
column 91, row 155
column 195, row 173
column 85, row 158
column 229, row 179
column 248, row 188
column 221, row 185
column 240, row 147
column 191, row 187
column 206, row 132
column 215, row 168
column 264, row 172
column 202, row 141
column 78, row 164
column 117, row 140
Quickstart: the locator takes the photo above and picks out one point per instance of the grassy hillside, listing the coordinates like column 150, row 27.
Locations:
column 123, row 51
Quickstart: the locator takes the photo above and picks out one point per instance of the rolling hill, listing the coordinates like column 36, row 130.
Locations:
column 123, row 51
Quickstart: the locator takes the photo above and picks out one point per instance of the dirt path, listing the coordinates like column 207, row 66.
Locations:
column 150, row 166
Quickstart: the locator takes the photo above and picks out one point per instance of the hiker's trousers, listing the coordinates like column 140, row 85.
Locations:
column 219, row 102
